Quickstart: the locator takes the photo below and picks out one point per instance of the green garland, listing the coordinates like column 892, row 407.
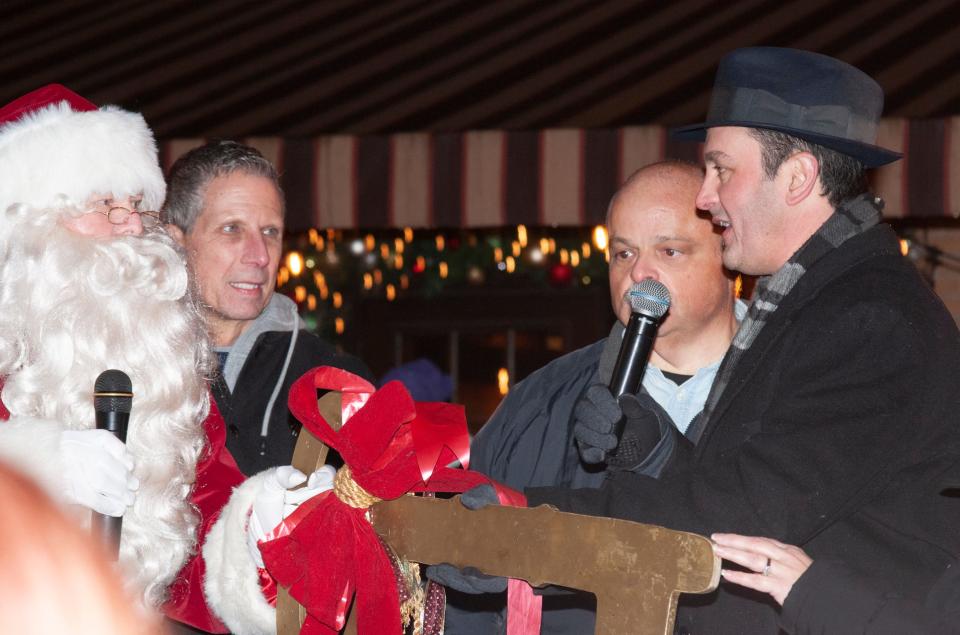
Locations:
column 339, row 268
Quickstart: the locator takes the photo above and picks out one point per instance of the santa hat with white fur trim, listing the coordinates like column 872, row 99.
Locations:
column 55, row 144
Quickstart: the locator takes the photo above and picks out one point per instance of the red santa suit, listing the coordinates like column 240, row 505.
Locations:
column 217, row 475
column 72, row 306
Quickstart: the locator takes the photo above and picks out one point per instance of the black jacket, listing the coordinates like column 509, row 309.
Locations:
column 528, row 442
column 830, row 434
column 243, row 408
column 831, row 599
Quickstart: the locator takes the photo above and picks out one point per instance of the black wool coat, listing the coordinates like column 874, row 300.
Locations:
column 829, row 599
column 243, row 409
column 830, row 434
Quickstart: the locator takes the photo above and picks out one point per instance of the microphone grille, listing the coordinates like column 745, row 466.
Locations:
column 112, row 392
column 649, row 297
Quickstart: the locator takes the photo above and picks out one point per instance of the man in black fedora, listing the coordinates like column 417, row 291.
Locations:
column 835, row 408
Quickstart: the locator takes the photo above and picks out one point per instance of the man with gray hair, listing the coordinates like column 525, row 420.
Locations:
column 225, row 207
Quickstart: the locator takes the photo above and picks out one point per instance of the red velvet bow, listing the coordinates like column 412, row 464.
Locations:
column 393, row 447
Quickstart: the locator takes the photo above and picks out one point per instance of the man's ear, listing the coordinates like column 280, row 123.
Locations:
column 176, row 233
column 803, row 171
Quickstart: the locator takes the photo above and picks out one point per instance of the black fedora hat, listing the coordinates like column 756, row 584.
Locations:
column 803, row 94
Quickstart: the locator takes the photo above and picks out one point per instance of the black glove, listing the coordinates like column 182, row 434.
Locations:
column 469, row 579
column 646, row 422
column 466, row 580
column 480, row 496
column 595, row 415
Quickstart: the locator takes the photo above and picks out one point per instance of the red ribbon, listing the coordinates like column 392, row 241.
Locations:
column 393, row 447
column 524, row 609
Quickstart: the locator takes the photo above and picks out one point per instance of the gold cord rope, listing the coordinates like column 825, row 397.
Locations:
column 347, row 490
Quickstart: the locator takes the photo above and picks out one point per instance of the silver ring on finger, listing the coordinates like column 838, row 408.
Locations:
column 766, row 568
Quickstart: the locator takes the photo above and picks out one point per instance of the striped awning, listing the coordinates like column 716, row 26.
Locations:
column 551, row 177
column 599, row 78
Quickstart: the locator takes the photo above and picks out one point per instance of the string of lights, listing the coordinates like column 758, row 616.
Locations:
column 328, row 271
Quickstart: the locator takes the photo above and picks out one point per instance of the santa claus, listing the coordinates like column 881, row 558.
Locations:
column 89, row 281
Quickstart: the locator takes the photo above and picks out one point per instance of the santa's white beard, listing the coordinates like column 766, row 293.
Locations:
column 71, row 307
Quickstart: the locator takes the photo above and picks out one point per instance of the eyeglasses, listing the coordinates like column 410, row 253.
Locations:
column 120, row 215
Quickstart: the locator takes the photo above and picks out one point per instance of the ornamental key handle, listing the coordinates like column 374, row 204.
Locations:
column 636, row 571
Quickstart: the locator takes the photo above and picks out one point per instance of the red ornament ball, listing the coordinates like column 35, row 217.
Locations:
column 560, row 275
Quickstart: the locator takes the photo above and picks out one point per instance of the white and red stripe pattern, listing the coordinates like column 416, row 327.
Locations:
column 562, row 177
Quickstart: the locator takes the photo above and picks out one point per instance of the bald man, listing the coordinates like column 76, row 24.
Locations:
column 555, row 427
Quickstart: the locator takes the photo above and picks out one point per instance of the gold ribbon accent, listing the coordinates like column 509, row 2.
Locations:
column 410, row 591
column 411, row 610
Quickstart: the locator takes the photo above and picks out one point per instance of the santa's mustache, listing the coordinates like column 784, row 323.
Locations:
column 72, row 306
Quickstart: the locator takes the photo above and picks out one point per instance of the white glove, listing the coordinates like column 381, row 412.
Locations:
column 98, row 471
column 320, row 481
column 275, row 501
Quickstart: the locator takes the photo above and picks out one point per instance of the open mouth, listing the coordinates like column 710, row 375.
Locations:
column 245, row 286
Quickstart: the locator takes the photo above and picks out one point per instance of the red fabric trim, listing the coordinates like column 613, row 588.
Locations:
column 41, row 98
column 217, row 475
column 524, row 609
column 4, row 413
column 268, row 586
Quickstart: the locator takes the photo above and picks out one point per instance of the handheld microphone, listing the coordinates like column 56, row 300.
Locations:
column 649, row 301
column 112, row 397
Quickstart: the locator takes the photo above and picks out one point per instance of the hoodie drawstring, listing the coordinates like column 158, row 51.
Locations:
column 265, row 426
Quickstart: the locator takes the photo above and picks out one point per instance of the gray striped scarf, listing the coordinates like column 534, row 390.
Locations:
column 850, row 219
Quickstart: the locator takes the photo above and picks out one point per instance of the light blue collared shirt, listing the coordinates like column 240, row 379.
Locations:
column 685, row 401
